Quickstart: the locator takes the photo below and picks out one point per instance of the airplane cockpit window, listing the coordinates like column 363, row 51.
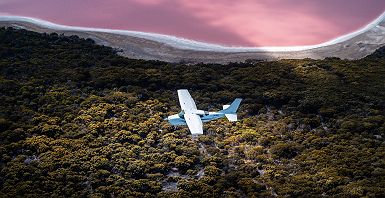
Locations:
column 181, row 114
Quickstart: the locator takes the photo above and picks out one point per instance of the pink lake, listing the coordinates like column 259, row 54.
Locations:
column 229, row 22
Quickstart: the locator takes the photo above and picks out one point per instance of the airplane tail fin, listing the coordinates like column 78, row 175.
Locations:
column 230, row 111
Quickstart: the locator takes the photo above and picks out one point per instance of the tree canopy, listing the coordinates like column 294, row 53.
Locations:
column 77, row 120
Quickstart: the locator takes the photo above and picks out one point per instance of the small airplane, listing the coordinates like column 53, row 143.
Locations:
column 194, row 118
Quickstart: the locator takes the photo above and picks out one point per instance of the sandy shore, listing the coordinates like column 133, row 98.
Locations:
column 148, row 46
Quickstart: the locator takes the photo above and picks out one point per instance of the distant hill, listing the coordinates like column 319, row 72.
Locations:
column 78, row 120
column 149, row 46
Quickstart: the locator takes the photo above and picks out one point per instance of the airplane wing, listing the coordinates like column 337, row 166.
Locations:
column 186, row 101
column 194, row 123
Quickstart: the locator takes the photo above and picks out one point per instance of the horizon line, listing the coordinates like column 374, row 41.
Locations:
column 190, row 44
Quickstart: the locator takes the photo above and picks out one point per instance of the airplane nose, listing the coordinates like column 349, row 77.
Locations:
column 166, row 118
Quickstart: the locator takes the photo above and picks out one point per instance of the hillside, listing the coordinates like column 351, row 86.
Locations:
column 76, row 119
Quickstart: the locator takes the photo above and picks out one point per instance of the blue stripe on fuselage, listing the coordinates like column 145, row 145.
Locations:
column 212, row 117
column 176, row 120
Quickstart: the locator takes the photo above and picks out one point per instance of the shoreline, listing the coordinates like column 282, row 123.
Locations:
column 193, row 45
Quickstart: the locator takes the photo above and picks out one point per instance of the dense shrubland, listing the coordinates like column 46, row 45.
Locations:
column 78, row 120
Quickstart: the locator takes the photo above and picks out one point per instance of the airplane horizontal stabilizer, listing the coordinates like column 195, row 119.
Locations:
column 232, row 117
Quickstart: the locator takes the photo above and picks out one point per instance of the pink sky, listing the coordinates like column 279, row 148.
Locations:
column 230, row 22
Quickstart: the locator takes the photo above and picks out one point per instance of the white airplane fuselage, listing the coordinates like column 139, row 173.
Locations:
column 178, row 119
